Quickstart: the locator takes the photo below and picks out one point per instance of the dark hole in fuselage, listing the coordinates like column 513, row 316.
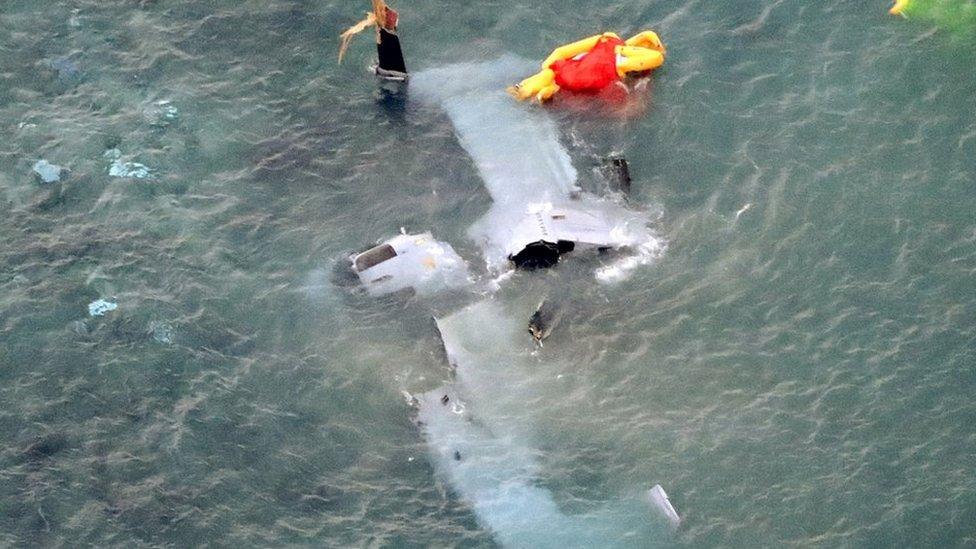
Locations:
column 374, row 256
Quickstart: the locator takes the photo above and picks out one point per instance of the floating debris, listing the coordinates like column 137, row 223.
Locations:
column 546, row 317
column 658, row 498
column 743, row 210
column 617, row 172
column 49, row 173
column 391, row 66
column 123, row 168
column 162, row 114
column 608, row 59
column 100, row 307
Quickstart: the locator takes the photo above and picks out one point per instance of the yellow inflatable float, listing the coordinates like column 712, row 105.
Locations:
column 591, row 64
column 958, row 17
column 899, row 7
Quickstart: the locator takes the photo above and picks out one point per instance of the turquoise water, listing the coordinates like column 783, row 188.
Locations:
column 800, row 373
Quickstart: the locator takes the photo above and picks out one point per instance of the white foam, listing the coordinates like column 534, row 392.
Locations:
column 643, row 254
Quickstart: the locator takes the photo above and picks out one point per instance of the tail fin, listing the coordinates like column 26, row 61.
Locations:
column 347, row 35
column 384, row 18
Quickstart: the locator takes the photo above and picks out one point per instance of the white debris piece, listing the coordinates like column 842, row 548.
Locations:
column 414, row 261
column 122, row 168
column 49, row 173
column 100, row 307
column 743, row 210
column 659, row 498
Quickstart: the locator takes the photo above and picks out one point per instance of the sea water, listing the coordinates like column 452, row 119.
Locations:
column 796, row 367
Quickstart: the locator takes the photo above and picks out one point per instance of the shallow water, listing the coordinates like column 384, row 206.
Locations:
column 798, row 371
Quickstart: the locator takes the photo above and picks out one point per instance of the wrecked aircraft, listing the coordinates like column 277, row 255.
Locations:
column 414, row 262
column 482, row 449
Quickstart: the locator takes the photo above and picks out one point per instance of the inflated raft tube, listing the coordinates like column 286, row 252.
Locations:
column 899, row 7
column 591, row 64
column 956, row 16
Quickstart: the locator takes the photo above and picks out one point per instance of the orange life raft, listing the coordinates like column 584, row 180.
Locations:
column 592, row 64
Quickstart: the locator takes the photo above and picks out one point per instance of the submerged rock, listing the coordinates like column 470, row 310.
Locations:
column 49, row 173
column 80, row 328
column 67, row 69
column 46, row 446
